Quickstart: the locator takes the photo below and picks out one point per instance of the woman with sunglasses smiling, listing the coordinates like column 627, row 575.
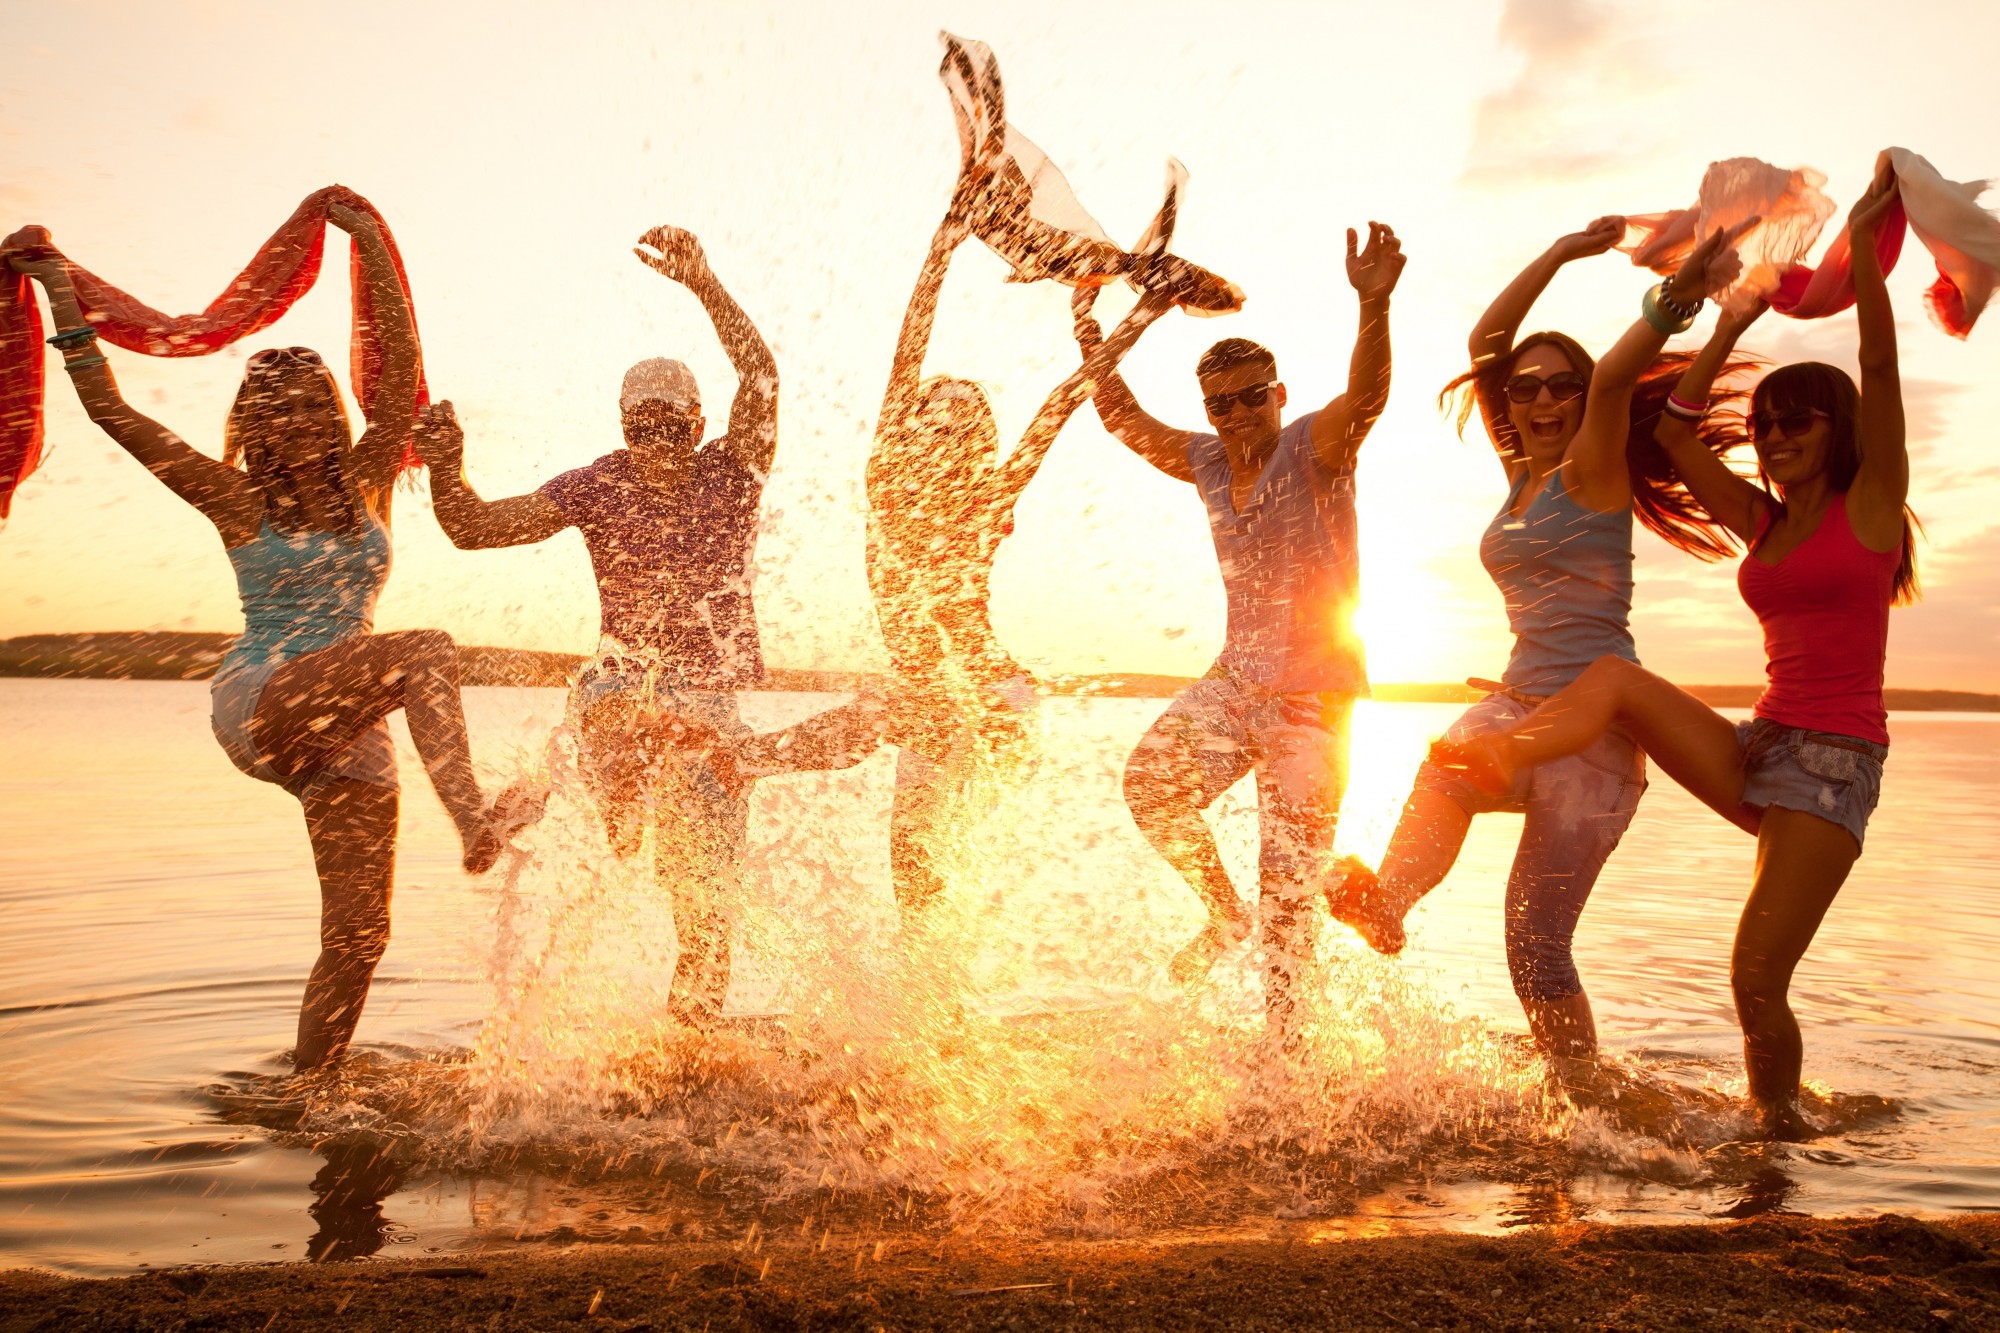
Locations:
column 1831, row 549
column 301, row 697
column 1575, row 440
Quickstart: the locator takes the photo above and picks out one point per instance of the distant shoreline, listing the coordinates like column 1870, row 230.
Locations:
column 193, row 655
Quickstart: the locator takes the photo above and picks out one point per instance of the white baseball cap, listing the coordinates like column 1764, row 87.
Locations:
column 657, row 377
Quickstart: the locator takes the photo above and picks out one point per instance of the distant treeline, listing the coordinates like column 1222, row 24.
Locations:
column 193, row 655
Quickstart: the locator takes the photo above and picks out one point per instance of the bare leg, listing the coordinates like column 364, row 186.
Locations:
column 1167, row 789
column 1693, row 744
column 920, row 792
column 1802, row 861
column 1563, row 1028
column 834, row 739
column 353, row 827
column 318, row 704
column 1421, row 853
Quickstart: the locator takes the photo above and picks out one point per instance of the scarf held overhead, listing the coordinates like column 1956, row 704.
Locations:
column 283, row 270
column 1029, row 215
column 1962, row 237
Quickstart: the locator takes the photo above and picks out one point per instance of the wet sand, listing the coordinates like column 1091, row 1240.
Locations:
column 1772, row 1272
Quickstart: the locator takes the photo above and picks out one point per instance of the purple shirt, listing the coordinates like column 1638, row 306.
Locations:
column 1290, row 568
column 673, row 562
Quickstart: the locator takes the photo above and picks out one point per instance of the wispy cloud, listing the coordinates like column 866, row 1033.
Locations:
column 1571, row 108
column 1951, row 639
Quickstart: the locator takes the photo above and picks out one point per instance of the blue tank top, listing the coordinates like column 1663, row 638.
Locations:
column 1290, row 567
column 303, row 591
column 1566, row 572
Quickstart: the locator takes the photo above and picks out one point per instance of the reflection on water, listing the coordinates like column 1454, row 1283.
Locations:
column 347, row 1198
column 518, row 1086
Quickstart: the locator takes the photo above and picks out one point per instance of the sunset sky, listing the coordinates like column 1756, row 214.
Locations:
column 518, row 153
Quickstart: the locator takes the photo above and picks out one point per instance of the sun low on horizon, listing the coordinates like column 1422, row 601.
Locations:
column 813, row 153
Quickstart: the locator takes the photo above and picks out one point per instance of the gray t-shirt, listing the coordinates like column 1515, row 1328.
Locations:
column 1290, row 567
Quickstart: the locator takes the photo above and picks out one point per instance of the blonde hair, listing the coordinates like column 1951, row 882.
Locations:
column 247, row 434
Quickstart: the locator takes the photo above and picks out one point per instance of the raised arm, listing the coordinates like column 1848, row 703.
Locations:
column 753, row 413
column 1164, row 446
column 1729, row 499
column 378, row 454
column 913, row 340
column 223, row 495
column 1598, row 474
column 1882, row 484
column 472, row 523
column 1493, row 336
column 1012, row 477
column 1339, row 429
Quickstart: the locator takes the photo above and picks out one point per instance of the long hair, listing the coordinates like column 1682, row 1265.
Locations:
column 1659, row 499
column 247, row 436
column 953, row 450
column 1816, row 386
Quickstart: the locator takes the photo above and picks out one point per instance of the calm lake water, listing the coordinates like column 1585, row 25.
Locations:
column 517, row 1086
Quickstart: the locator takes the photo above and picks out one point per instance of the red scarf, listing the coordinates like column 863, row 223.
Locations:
column 283, row 270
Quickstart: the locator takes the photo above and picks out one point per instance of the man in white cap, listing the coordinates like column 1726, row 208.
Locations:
column 671, row 525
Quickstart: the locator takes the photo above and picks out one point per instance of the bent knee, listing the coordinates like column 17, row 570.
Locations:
column 1756, row 986
column 433, row 645
column 1161, row 773
column 1542, row 967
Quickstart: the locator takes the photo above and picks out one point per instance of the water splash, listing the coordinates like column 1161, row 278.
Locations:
column 1017, row 1061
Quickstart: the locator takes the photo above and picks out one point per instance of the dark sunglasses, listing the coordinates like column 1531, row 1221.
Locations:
column 1795, row 422
column 1218, row 404
column 1562, row 386
column 271, row 356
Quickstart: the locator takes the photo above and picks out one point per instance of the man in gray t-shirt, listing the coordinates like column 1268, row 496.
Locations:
column 1280, row 502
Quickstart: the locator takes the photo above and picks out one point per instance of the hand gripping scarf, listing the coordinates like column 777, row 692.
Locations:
column 1030, row 217
column 283, row 270
column 1963, row 238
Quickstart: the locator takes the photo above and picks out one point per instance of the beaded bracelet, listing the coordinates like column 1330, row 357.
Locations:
column 86, row 362
column 76, row 337
column 1657, row 315
column 1677, row 406
column 1675, row 308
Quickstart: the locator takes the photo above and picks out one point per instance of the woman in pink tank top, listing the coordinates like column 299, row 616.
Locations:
column 1829, row 551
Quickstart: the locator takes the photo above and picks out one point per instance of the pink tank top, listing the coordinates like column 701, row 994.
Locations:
column 1825, row 612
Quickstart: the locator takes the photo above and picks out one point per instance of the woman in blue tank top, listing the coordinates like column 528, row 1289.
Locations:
column 1575, row 438
column 303, row 512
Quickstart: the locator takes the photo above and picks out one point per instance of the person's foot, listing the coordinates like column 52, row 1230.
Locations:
column 1485, row 760
column 1784, row 1122
column 512, row 811
column 1198, row 955
column 1354, row 896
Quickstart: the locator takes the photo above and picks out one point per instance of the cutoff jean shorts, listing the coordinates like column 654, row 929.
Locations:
column 1838, row 778
column 233, row 698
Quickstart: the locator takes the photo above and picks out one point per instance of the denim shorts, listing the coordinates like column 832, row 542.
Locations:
column 1838, row 778
column 233, row 698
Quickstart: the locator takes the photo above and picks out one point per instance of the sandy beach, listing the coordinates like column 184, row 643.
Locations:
column 1770, row 1273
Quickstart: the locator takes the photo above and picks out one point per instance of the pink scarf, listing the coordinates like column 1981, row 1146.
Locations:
column 1963, row 238
column 283, row 270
